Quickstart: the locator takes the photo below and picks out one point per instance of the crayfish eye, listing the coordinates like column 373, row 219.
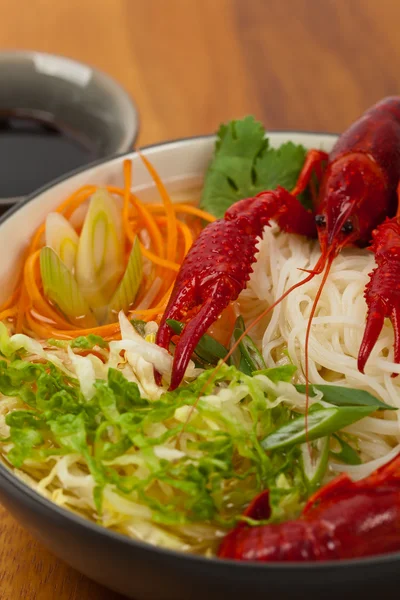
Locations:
column 320, row 220
column 347, row 227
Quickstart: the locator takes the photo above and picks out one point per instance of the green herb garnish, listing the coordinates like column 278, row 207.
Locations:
column 88, row 342
column 246, row 357
column 315, row 466
column 346, row 454
column 321, row 422
column 275, row 374
column 244, row 164
column 223, row 462
column 342, row 396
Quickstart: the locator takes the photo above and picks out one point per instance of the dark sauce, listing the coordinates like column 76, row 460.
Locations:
column 33, row 151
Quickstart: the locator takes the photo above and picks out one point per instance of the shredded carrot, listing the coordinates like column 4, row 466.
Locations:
column 36, row 240
column 193, row 210
column 39, row 328
column 187, row 237
column 184, row 230
column 13, row 297
column 159, row 261
column 69, row 206
column 146, row 216
column 185, row 208
column 10, row 312
column 169, row 211
column 165, row 240
column 164, row 300
column 147, row 314
column 22, row 307
column 127, row 193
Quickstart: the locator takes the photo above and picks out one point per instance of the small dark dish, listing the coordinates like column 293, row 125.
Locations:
column 132, row 568
column 56, row 114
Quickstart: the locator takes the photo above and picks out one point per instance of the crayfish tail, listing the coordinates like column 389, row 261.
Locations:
column 373, row 327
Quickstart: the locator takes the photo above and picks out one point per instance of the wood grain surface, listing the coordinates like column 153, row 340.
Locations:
column 190, row 64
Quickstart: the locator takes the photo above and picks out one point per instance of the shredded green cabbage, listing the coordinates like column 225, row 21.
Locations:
column 88, row 437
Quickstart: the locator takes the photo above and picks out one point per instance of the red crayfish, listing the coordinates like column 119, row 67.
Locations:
column 356, row 203
column 344, row 519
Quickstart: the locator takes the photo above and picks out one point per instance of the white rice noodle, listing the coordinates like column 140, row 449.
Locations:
column 336, row 331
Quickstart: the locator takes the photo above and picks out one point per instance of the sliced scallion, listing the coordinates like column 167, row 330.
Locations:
column 61, row 288
column 130, row 283
column 321, row 422
column 314, row 466
column 62, row 237
column 99, row 261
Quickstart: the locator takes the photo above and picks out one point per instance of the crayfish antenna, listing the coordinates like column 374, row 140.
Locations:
column 307, row 338
column 319, row 267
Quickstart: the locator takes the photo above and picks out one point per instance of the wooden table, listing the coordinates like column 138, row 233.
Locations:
column 190, row 64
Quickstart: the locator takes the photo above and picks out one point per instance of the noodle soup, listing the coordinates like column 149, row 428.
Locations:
column 84, row 420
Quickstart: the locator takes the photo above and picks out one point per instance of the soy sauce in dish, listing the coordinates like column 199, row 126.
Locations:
column 33, row 151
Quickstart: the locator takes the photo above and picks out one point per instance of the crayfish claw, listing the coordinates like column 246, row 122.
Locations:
column 377, row 312
column 217, row 296
column 382, row 292
column 178, row 306
column 218, row 266
column 373, row 327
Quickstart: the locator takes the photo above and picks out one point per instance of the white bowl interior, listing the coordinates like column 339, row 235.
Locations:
column 180, row 164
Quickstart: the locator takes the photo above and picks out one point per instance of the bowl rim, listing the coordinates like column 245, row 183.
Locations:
column 75, row 519
column 131, row 127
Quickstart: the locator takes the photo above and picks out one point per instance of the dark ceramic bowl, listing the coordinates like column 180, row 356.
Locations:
column 133, row 568
column 77, row 97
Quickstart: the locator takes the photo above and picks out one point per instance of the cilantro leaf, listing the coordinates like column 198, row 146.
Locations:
column 280, row 166
column 244, row 164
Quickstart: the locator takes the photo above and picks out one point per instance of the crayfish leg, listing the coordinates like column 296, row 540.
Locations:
column 313, row 164
column 296, row 218
column 217, row 296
